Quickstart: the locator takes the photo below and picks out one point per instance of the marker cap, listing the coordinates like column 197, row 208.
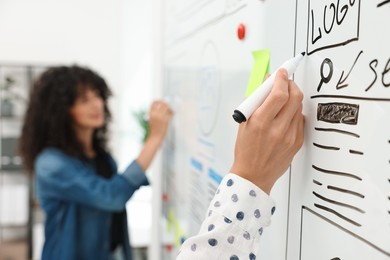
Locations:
column 239, row 117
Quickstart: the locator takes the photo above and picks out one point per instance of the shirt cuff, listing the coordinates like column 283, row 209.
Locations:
column 242, row 202
column 135, row 175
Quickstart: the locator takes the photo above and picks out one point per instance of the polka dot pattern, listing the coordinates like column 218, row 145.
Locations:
column 213, row 242
column 227, row 220
column 210, row 227
column 235, row 222
column 240, row 215
column 230, row 239
column 247, row 236
column 257, row 213
column 193, row 247
column 234, row 198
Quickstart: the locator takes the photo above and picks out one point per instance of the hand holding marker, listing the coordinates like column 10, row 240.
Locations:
column 250, row 104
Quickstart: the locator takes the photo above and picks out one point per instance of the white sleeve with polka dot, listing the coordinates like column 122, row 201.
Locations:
column 234, row 223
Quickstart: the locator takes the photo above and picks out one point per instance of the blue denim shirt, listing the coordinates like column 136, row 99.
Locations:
column 78, row 205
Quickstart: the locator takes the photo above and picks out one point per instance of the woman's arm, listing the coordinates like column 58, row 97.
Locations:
column 234, row 223
column 159, row 117
column 59, row 177
column 63, row 178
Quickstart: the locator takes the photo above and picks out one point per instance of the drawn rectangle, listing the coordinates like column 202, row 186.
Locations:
column 321, row 232
column 330, row 24
column 338, row 113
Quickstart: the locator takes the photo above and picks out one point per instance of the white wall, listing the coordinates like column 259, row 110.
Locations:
column 137, row 73
column 47, row 31
column 86, row 32
column 116, row 39
column 139, row 63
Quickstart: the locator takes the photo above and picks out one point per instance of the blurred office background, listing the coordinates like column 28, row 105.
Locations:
column 115, row 38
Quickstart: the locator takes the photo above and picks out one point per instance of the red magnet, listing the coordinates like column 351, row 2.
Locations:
column 168, row 248
column 165, row 196
column 241, row 31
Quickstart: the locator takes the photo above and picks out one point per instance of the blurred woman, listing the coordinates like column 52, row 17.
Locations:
column 64, row 143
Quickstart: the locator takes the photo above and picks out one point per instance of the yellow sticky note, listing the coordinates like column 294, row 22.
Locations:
column 180, row 235
column 171, row 218
column 173, row 226
column 260, row 69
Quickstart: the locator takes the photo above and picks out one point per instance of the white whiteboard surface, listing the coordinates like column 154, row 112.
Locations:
column 206, row 71
column 340, row 192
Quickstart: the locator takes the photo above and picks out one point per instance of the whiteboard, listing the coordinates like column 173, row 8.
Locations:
column 320, row 214
column 340, row 192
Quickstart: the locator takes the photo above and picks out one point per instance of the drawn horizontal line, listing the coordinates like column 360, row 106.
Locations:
column 338, row 203
column 351, row 97
column 337, row 131
column 337, row 214
column 326, row 147
column 317, row 182
column 356, row 152
column 332, row 46
column 383, row 3
column 346, row 191
column 336, row 173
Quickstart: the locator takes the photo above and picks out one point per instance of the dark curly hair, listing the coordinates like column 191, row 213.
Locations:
column 48, row 122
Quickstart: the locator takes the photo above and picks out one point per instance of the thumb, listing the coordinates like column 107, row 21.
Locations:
column 281, row 81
